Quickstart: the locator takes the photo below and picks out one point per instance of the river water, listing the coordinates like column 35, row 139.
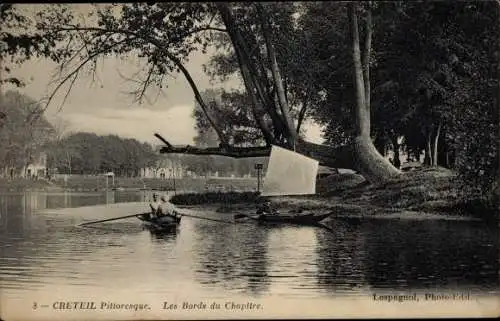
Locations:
column 44, row 252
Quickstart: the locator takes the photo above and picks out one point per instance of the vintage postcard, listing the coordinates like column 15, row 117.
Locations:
column 217, row 160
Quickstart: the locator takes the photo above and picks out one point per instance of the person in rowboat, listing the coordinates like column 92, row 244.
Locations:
column 155, row 205
column 266, row 208
column 166, row 208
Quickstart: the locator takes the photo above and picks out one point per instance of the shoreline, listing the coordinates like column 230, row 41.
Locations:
column 428, row 193
column 353, row 216
column 424, row 194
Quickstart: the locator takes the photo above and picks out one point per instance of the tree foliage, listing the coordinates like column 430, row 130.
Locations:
column 88, row 153
column 24, row 130
column 429, row 77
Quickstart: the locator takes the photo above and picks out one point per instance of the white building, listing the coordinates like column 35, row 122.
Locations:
column 165, row 168
column 35, row 169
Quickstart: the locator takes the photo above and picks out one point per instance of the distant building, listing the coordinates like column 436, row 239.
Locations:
column 164, row 168
column 37, row 168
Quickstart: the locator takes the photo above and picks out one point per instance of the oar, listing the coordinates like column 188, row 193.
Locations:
column 206, row 218
column 111, row 219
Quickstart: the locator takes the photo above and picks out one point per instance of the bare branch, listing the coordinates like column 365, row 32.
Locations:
column 77, row 69
column 68, row 91
column 123, row 31
column 146, row 83
column 162, row 46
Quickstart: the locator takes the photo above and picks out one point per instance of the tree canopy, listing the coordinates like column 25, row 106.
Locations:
column 24, row 130
column 371, row 73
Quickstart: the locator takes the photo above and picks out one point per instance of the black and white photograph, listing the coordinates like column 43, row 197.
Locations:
column 255, row 160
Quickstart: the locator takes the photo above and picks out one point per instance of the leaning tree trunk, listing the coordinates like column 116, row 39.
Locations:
column 361, row 155
column 368, row 160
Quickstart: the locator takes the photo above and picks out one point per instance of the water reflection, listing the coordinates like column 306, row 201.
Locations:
column 42, row 247
column 341, row 257
column 231, row 256
column 390, row 254
column 29, row 202
column 432, row 255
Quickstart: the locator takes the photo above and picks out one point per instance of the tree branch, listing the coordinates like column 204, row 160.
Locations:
column 78, row 68
column 239, row 45
column 278, row 81
column 366, row 55
column 197, row 95
column 162, row 47
column 302, row 112
column 249, row 81
column 335, row 157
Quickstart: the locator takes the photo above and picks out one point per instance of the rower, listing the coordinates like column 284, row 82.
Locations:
column 155, row 205
column 266, row 208
column 166, row 208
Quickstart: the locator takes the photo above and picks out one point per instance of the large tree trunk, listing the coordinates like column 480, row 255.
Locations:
column 428, row 150
column 361, row 156
column 368, row 160
column 435, row 146
column 380, row 144
column 395, row 146
column 496, row 185
column 278, row 79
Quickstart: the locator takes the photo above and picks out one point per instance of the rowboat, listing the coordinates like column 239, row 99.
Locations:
column 160, row 224
column 302, row 219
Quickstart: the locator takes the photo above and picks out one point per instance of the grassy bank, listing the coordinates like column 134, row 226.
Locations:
column 83, row 183
column 421, row 193
column 21, row 184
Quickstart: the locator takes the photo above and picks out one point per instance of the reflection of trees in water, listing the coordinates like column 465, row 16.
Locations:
column 28, row 202
column 340, row 257
column 35, row 244
column 429, row 254
column 233, row 256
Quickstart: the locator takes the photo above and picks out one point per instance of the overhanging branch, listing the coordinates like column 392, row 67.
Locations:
column 162, row 46
column 335, row 157
column 233, row 152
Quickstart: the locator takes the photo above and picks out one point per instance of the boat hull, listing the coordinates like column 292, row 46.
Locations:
column 162, row 224
column 301, row 219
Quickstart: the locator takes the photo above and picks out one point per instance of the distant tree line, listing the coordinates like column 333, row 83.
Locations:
column 88, row 153
column 25, row 133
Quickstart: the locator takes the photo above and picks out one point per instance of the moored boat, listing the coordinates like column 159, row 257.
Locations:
column 303, row 219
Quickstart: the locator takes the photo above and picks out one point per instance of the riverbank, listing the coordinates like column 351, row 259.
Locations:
column 426, row 193
column 89, row 183
column 419, row 194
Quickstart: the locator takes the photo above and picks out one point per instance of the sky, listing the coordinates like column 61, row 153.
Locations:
column 102, row 106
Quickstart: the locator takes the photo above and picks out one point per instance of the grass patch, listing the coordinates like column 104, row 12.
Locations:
column 425, row 192
column 22, row 184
